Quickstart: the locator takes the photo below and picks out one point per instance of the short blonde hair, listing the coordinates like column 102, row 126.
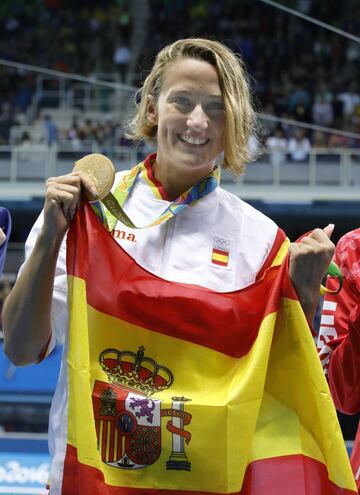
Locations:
column 234, row 85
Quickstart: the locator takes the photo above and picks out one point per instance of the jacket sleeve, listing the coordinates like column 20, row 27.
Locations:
column 344, row 368
column 339, row 335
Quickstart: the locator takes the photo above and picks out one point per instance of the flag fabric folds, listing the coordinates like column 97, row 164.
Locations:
column 178, row 389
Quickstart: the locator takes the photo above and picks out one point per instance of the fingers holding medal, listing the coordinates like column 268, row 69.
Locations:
column 92, row 177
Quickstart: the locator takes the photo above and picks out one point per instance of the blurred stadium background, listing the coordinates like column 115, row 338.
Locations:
column 68, row 77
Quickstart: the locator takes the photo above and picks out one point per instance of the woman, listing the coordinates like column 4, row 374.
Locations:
column 196, row 105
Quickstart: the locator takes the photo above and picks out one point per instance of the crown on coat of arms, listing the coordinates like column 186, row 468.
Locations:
column 135, row 370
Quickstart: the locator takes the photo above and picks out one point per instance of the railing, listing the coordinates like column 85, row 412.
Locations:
column 55, row 92
column 326, row 174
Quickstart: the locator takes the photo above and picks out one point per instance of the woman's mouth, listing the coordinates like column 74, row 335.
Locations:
column 193, row 140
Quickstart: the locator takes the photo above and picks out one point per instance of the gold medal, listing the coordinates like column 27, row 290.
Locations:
column 102, row 172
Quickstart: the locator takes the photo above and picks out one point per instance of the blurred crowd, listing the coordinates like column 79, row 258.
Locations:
column 298, row 70
column 91, row 39
column 55, row 35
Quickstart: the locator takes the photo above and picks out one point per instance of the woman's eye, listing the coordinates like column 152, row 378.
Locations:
column 182, row 102
column 215, row 106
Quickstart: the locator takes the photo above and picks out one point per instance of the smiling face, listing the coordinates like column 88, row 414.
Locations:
column 190, row 118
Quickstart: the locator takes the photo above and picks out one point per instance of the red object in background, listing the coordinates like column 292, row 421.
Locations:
column 53, row 4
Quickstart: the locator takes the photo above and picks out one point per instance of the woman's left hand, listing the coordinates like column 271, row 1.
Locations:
column 309, row 261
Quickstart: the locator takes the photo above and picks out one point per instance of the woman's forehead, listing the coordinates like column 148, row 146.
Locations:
column 191, row 73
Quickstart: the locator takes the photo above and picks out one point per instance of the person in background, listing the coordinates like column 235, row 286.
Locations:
column 50, row 131
column 6, row 122
column 5, row 230
column 277, row 146
column 299, row 146
column 339, row 335
column 121, row 59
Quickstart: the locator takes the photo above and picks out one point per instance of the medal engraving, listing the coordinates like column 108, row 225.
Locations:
column 102, row 172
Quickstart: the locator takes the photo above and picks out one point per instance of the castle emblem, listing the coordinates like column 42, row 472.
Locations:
column 128, row 417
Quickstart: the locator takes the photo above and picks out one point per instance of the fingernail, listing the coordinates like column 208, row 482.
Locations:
column 93, row 191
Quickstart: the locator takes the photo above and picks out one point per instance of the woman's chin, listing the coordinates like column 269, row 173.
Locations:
column 191, row 162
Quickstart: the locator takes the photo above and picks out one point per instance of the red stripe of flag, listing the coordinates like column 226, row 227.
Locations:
column 112, row 457
column 295, row 474
column 226, row 322
column 279, row 239
column 104, row 440
column 218, row 262
column 218, row 251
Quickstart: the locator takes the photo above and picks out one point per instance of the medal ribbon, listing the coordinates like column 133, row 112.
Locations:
column 115, row 201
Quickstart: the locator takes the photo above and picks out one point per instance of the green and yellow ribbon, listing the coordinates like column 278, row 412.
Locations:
column 334, row 272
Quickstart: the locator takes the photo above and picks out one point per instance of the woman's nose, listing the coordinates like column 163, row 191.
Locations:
column 197, row 119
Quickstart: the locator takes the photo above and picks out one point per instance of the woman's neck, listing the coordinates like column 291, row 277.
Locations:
column 174, row 182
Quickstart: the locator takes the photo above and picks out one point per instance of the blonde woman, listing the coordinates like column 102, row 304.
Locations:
column 195, row 105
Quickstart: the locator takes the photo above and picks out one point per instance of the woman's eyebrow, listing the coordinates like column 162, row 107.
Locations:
column 180, row 91
column 187, row 92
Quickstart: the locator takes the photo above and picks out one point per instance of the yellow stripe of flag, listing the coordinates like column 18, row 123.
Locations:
column 241, row 409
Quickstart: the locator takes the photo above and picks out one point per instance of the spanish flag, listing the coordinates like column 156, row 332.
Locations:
column 220, row 257
column 176, row 389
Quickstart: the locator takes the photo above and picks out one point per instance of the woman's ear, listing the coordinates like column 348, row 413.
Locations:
column 151, row 111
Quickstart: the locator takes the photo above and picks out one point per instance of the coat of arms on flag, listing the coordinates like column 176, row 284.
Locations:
column 128, row 420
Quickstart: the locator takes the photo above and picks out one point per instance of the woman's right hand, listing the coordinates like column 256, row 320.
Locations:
column 62, row 198
column 27, row 323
